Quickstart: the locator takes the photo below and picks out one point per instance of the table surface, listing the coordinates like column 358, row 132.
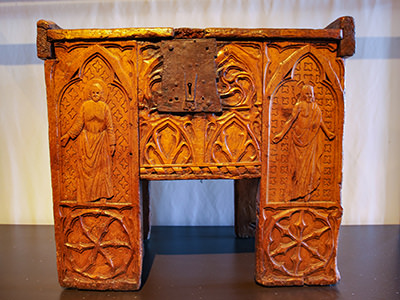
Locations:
column 203, row 263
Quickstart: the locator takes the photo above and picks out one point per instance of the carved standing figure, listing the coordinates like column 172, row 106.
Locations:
column 305, row 143
column 94, row 128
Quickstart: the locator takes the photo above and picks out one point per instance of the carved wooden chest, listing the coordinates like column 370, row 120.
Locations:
column 261, row 106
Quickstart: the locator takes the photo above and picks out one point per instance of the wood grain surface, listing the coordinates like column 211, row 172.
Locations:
column 264, row 107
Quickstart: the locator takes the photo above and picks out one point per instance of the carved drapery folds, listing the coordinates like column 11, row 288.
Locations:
column 300, row 154
column 92, row 99
column 274, row 123
column 300, row 193
column 96, row 66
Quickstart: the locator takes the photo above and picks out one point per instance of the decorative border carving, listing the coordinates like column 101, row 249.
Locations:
column 208, row 171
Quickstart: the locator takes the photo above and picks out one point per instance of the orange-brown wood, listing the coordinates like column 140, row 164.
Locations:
column 300, row 209
column 95, row 168
column 275, row 125
column 196, row 146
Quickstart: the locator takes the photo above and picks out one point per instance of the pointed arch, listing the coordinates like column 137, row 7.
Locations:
column 289, row 63
column 283, row 90
column 233, row 150
column 167, row 143
column 112, row 61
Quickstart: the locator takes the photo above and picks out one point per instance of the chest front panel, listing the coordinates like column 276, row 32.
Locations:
column 264, row 107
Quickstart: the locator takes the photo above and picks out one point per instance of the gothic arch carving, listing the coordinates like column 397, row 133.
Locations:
column 150, row 67
column 233, row 142
column 287, row 65
column 96, row 63
column 109, row 58
column 305, row 66
column 167, row 144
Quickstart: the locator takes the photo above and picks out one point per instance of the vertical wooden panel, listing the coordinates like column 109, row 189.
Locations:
column 300, row 209
column 246, row 202
column 95, row 168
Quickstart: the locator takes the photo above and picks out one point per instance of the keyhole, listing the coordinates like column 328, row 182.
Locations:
column 189, row 88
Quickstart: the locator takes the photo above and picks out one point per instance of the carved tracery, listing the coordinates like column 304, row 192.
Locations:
column 233, row 142
column 178, row 144
column 264, row 79
column 239, row 69
column 167, row 144
column 101, row 66
column 305, row 66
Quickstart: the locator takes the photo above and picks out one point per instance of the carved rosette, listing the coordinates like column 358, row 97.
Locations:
column 300, row 188
column 299, row 244
column 98, row 241
column 98, row 247
column 265, row 125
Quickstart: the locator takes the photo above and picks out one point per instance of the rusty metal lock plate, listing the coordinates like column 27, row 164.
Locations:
column 189, row 76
